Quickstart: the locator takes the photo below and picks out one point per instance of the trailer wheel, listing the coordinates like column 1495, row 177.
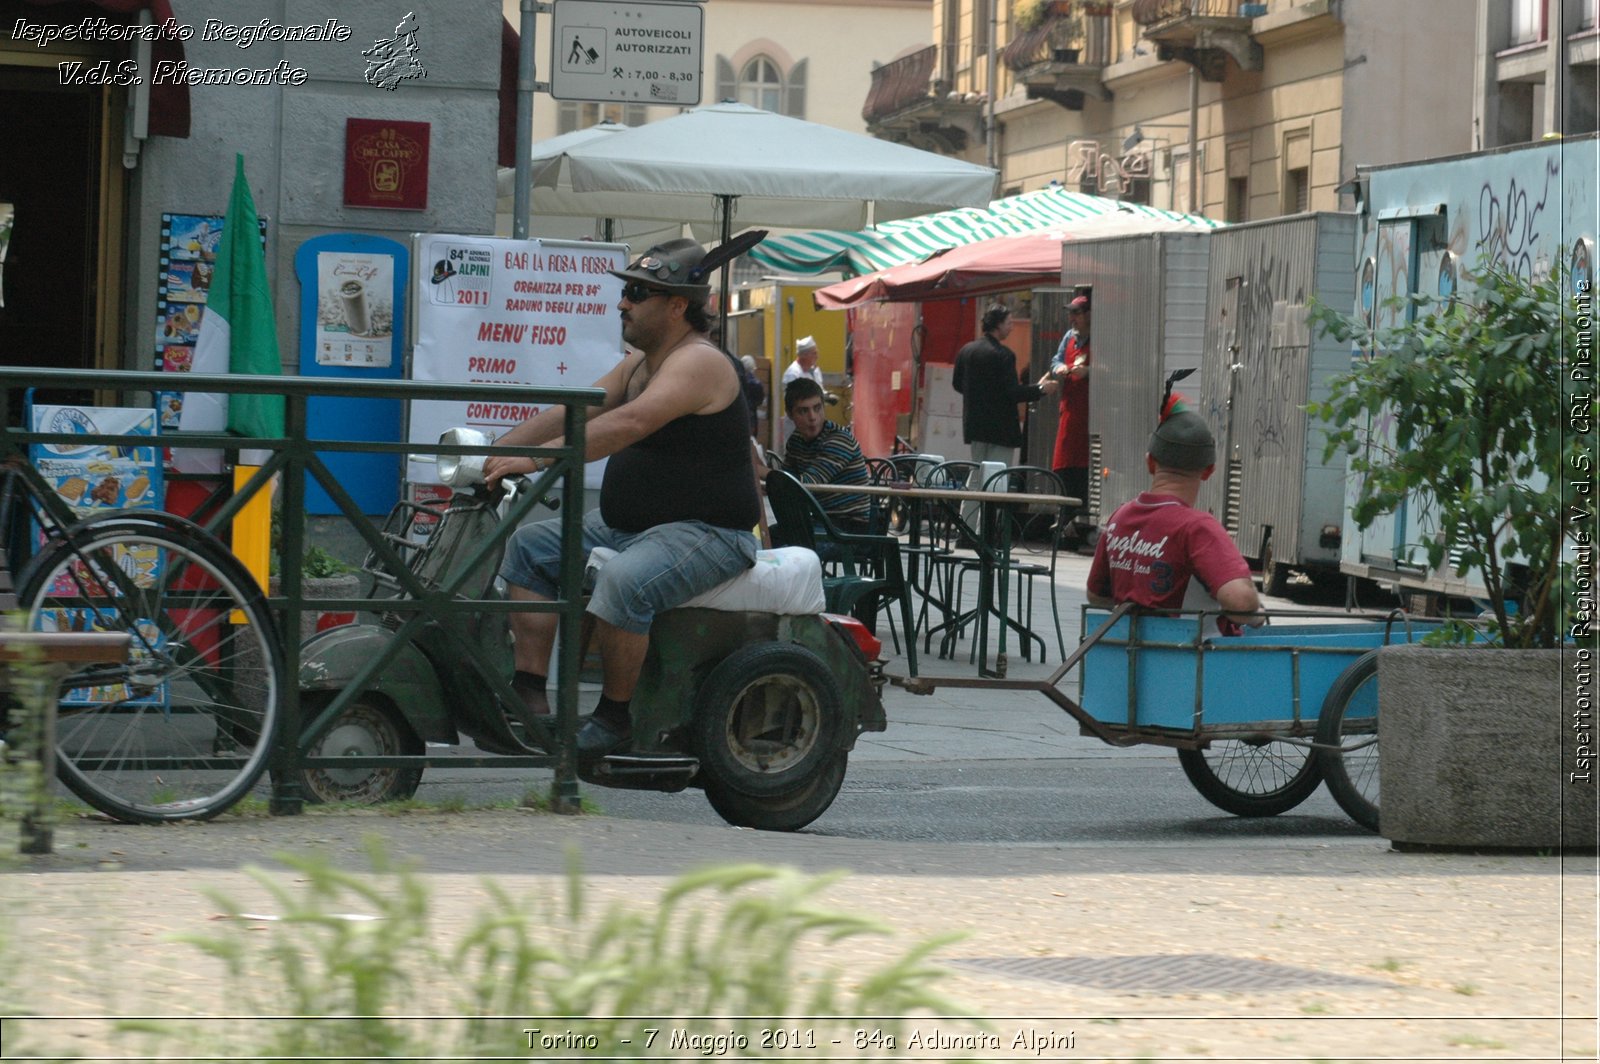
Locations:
column 1347, row 740
column 767, row 720
column 1250, row 777
column 1274, row 574
column 366, row 727
column 780, row 812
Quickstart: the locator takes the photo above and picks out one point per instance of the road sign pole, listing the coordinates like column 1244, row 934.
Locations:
column 523, row 193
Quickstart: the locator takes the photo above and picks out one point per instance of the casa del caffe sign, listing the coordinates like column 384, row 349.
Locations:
column 386, row 164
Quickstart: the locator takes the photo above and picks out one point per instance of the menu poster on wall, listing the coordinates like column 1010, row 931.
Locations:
column 531, row 312
column 188, row 262
column 355, row 309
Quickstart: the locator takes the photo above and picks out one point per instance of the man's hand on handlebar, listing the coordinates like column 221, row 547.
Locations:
column 498, row 467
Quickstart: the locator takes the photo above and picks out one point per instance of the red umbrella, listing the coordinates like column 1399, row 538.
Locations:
column 1000, row 264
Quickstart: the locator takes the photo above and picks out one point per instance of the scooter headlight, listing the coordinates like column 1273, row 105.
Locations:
column 462, row 470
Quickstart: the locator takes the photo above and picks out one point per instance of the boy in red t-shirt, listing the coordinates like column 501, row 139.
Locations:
column 1153, row 545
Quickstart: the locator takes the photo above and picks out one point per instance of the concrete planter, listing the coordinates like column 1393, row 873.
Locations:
column 1477, row 751
column 342, row 586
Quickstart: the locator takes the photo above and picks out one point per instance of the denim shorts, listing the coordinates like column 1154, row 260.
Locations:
column 654, row 570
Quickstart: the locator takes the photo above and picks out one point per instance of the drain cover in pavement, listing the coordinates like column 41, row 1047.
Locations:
column 1184, row 971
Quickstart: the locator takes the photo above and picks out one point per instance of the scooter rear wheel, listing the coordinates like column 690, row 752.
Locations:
column 768, row 720
column 780, row 812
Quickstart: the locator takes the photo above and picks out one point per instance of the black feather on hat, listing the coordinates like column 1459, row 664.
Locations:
column 683, row 266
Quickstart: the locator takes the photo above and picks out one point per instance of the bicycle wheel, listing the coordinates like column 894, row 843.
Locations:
column 1347, row 740
column 184, row 729
column 1248, row 777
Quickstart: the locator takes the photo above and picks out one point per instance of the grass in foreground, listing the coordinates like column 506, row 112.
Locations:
column 725, row 953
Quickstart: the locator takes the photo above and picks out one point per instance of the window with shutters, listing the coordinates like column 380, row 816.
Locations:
column 1297, row 196
column 762, row 83
column 1238, row 199
column 1237, row 156
column 1296, row 172
column 1527, row 21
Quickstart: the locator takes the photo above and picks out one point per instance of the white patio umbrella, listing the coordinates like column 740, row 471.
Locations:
column 551, row 201
column 727, row 160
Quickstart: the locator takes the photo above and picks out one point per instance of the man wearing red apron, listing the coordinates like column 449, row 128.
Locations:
column 1070, row 367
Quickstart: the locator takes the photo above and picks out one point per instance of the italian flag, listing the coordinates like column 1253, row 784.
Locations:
column 237, row 335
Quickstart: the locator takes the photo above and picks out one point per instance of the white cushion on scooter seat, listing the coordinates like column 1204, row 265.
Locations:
column 786, row 580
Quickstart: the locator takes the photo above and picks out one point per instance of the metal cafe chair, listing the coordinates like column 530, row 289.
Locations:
column 870, row 568
column 943, row 538
column 1037, row 481
column 880, row 471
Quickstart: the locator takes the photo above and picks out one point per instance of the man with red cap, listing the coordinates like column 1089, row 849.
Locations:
column 1153, row 548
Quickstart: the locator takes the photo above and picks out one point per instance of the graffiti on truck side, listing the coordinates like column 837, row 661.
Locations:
column 1268, row 383
column 1510, row 221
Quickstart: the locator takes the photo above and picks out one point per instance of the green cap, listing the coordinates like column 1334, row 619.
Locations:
column 1183, row 441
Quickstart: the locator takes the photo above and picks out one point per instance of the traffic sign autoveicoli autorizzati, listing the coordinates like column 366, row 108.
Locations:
column 605, row 52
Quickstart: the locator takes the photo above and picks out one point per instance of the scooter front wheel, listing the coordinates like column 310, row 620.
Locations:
column 365, row 729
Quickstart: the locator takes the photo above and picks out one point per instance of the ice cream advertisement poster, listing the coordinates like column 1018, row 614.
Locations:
column 147, row 641
column 93, row 477
column 355, row 309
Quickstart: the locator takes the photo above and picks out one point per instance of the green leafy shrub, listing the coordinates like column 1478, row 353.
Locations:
column 25, row 705
column 1468, row 410
column 317, row 563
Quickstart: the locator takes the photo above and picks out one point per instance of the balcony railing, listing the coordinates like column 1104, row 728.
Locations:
column 1053, row 41
column 1154, row 12
column 1202, row 32
column 897, row 85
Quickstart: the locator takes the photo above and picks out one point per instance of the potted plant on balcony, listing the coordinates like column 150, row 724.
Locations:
column 1063, row 16
column 1471, row 415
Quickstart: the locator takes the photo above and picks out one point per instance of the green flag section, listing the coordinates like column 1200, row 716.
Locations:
column 237, row 333
column 914, row 239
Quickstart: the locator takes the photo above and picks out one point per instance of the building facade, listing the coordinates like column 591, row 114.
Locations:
column 1534, row 70
column 1232, row 109
column 106, row 136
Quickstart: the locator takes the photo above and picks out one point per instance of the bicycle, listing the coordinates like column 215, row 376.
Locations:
column 185, row 728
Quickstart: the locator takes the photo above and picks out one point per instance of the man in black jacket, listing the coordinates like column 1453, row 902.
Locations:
column 987, row 378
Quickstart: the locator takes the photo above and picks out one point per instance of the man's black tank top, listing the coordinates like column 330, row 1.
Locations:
column 693, row 468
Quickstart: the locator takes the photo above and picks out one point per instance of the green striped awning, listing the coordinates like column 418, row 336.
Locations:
column 914, row 239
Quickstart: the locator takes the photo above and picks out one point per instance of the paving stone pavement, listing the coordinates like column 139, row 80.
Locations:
column 1318, row 952
column 1207, row 950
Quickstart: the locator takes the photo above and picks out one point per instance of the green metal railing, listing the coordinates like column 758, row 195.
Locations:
column 295, row 457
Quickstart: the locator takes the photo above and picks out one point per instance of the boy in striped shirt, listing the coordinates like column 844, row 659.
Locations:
column 822, row 452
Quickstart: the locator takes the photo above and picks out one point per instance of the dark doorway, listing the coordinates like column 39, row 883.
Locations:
column 51, row 175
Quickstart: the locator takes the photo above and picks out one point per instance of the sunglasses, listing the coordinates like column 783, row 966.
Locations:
column 638, row 292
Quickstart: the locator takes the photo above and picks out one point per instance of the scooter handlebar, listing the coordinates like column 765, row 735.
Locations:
column 517, row 483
